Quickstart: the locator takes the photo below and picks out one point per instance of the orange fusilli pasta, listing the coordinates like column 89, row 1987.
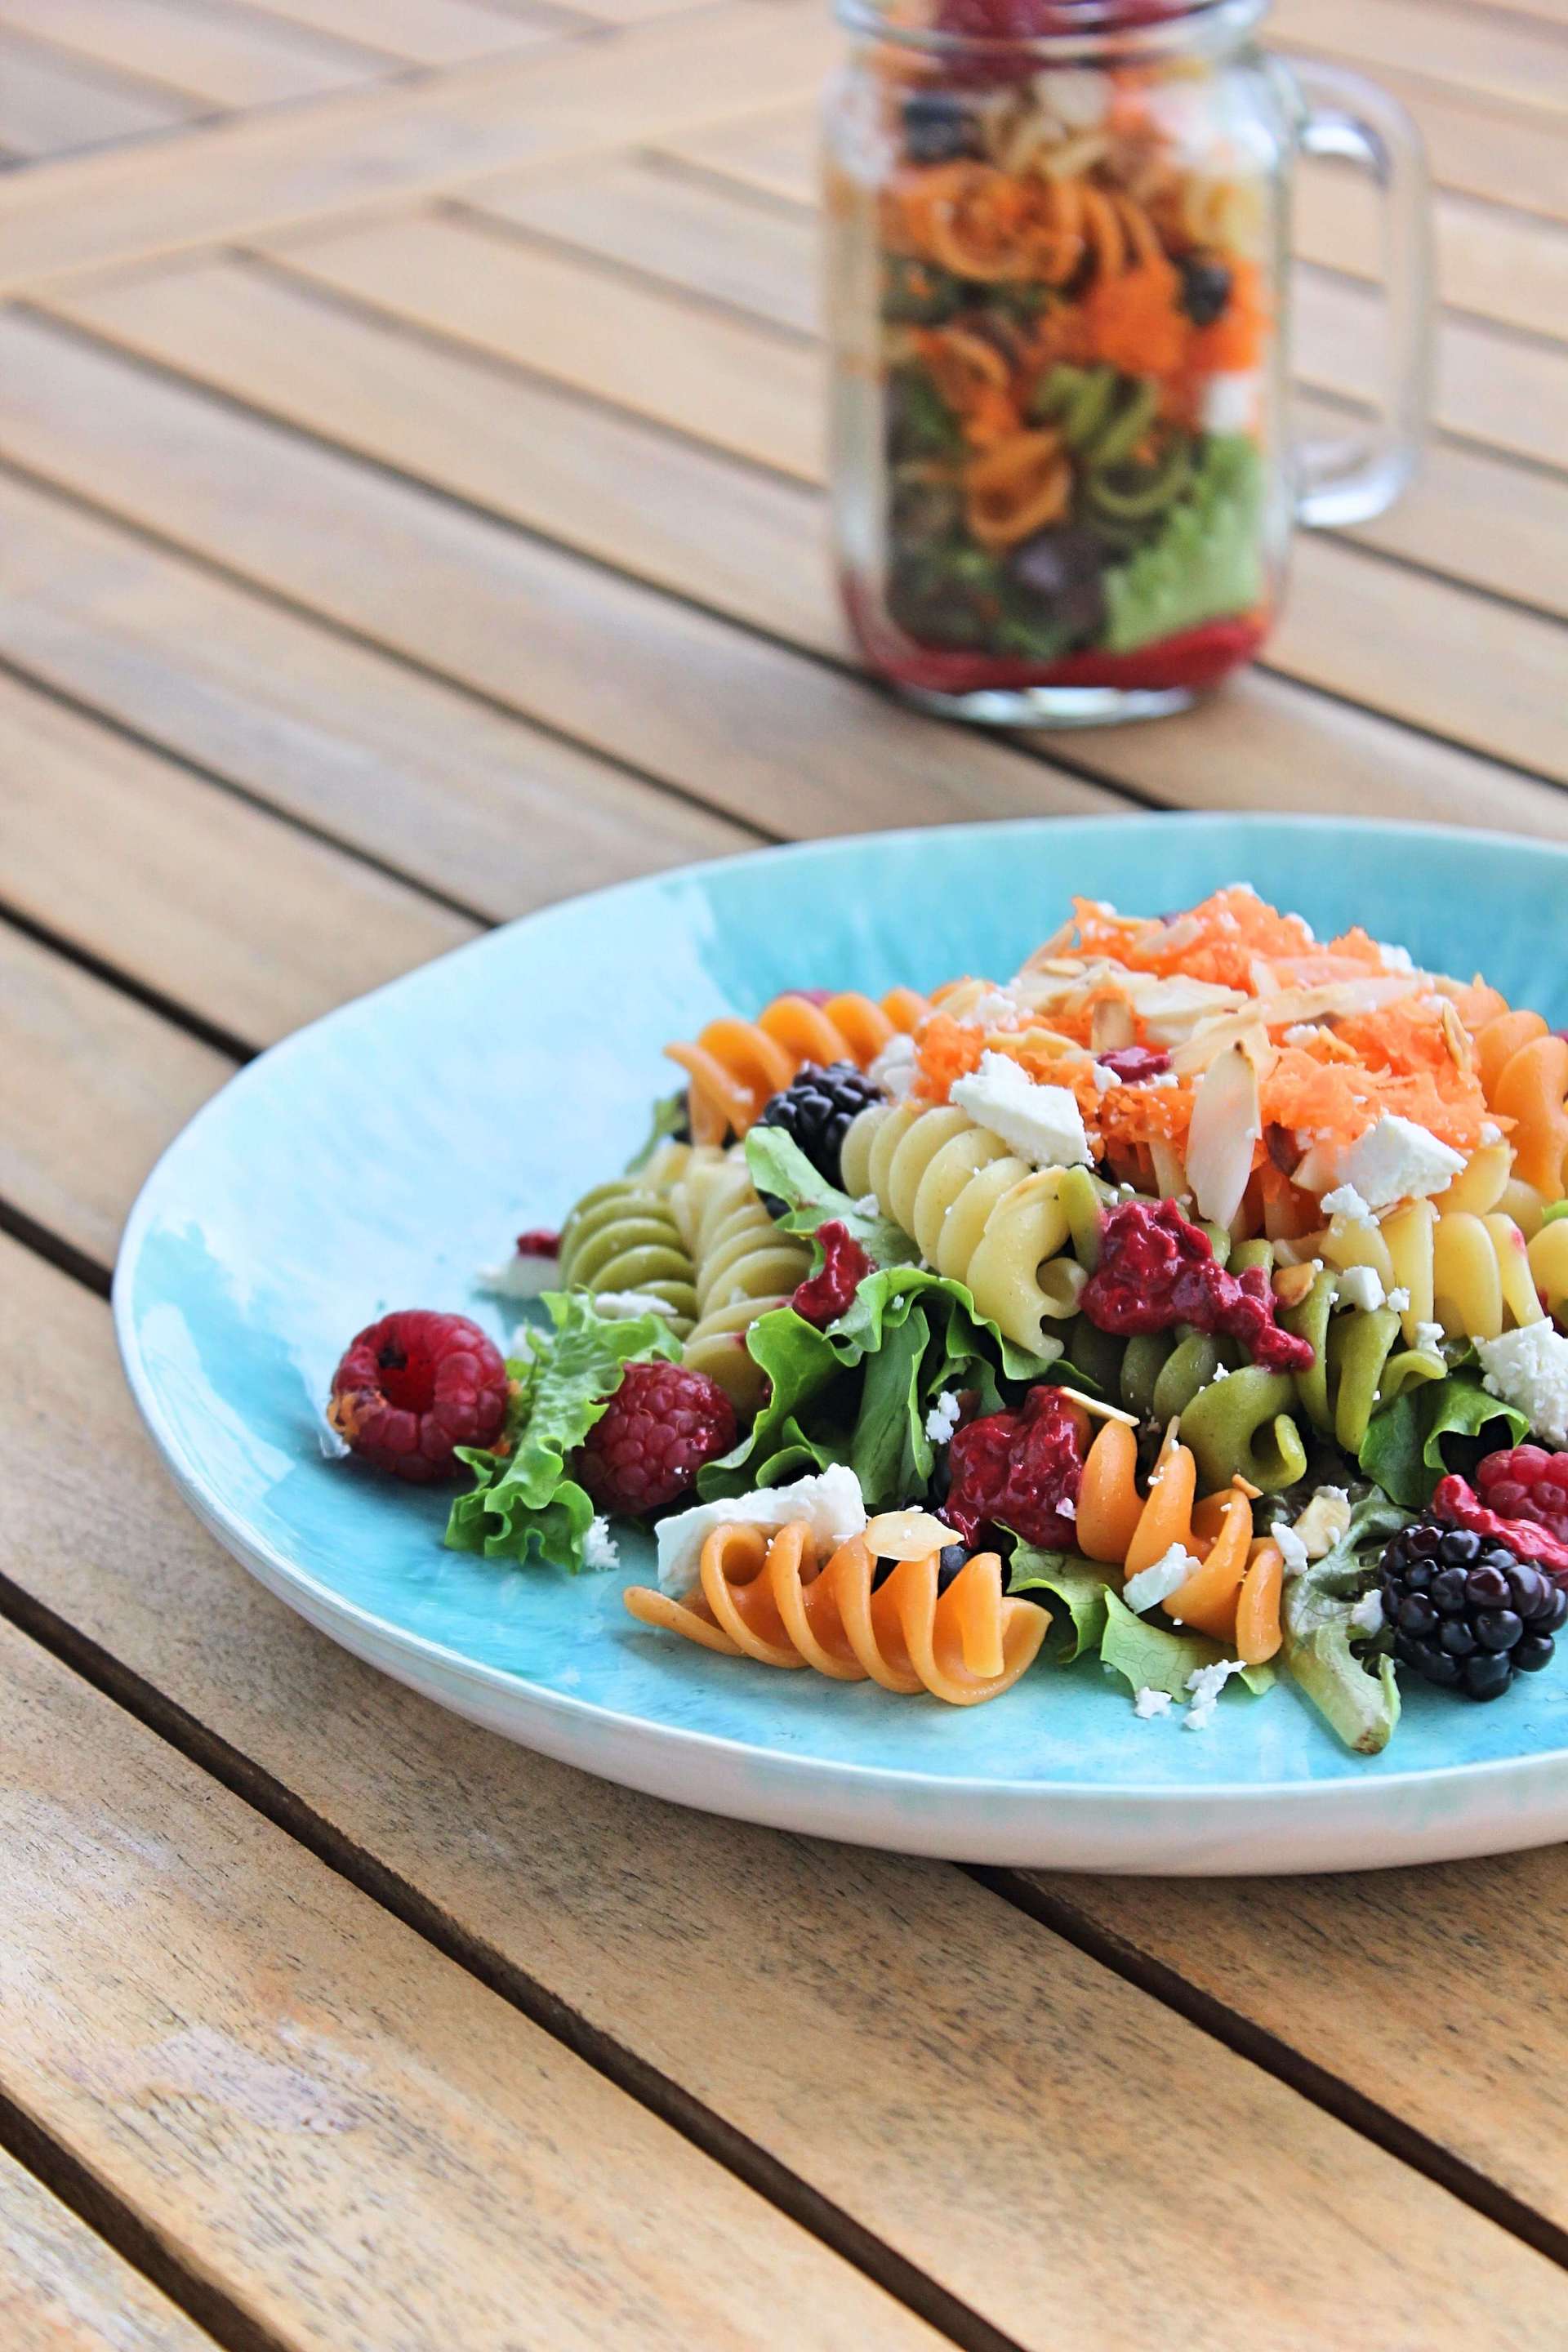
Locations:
column 770, row 1600
column 736, row 1066
column 1234, row 1595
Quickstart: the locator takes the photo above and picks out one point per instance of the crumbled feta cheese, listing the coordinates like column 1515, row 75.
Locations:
column 1105, row 1080
column 1163, row 1078
column 1367, row 1615
column 1360, row 1285
column 1220, row 1373
column 867, row 1205
column 522, row 1276
column 1393, row 959
column 1428, row 1336
column 1151, row 1703
column 1398, row 1299
column 1205, row 1683
column 1292, row 1550
column 942, row 1418
column 1161, row 1579
column 1397, row 1161
column 1344, row 1201
column 623, row 1306
column 894, row 1067
column 1230, row 403
column 1529, row 1367
column 1042, row 1124
column 1491, row 1131
column 1301, row 1033
column 1067, row 1508
column 988, row 1010
column 831, row 1505
column 600, row 1548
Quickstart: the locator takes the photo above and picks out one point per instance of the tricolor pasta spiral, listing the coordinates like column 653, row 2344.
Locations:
column 737, row 1066
column 1233, row 1593
column 744, row 1264
column 1463, row 1257
column 979, row 1213
column 623, row 1236
column 769, row 1600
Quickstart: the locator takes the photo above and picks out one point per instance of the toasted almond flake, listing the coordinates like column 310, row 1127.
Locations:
column 1098, row 1406
column 908, row 1534
column 1227, row 1121
column 1455, row 1036
column 1292, row 1283
column 1111, row 1025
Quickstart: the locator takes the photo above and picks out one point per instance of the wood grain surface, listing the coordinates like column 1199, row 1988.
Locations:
column 411, row 513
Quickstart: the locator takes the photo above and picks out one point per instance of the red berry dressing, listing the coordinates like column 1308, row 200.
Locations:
column 1016, row 1470
column 538, row 1241
column 1133, row 1065
column 825, row 1296
column 1527, row 1483
column 1455, row 1501
column 1157, row 1269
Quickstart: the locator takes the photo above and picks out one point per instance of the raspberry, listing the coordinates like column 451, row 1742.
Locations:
column 415, row 1386
column 1015, row 1470
column 1525, row 1482
column 1133, row 1063
column 1456, row 1503
column 823, row 1297
column 658, row 1429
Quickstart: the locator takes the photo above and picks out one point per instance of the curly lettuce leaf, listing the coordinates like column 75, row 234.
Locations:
column 1403, row 1448
column 1081, row 1586
column 1315, row 1620
column 668, row 1119
column 1148, row 1657
column 781, row 1171
column 522, row 1501
column 933, row 1338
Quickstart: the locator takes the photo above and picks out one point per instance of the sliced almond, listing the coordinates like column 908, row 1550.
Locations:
column 1227, row 1121
column 908, row 1534
column 1461, row 1052
column 1098, row 1406
column 1111, row 1025
column 1292, row 1284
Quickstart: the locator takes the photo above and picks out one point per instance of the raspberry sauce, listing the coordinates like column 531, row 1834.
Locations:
column 1157, row 1269
column 1016, row 1470
column 825, row 1296
column 1456, row 1502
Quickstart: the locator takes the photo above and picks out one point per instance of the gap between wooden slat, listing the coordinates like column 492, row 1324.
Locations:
column 67, row 2289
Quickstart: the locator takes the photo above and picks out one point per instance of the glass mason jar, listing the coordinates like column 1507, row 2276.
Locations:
column 1057, row 267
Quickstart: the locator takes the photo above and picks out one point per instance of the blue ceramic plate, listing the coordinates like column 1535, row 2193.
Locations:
column 377, row 1158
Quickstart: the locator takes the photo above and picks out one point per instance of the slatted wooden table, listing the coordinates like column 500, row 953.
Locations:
column 410, row 512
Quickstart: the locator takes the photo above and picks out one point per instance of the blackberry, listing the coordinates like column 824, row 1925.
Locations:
column 949, row 1560
column 938, row 127
column 1467, row 1614
column 1206, row 288
column 818, row 1108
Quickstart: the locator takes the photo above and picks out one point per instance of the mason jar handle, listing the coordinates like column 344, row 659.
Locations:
column 1350, row 479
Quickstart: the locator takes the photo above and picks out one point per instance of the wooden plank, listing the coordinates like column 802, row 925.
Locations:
column 1500, row 265
column 774, row 153
column 1475, row 516
column 1492, row 152
column 695, row 369
column 934, row 2041
column 372, row 148
column 100, row 834
column 1487, row 52
column 419, row 32
column 692, row 234
column 63, row 2290
column 430, row 782
column 215, row 58
column 778, row 739
column 1494, row 388
column 50, row 105
column 91, row 1087
column 1429, row 639
column 314, row 2109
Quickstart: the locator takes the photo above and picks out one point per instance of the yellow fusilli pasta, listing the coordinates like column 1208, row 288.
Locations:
column 745, row 1265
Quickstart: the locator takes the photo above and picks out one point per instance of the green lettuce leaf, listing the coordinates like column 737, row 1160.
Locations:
column 1081, row 1586
column 934, row 1339
column 1315, row 1620
column 667, row 1119
column 781, row 1171
column 1148, row 1657
column 522, row 1501
column 1403, row 1448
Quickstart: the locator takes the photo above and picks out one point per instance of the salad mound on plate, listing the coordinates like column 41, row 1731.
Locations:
column 1191, row 1300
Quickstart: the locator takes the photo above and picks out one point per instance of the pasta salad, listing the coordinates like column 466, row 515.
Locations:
column 1192, row 1301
